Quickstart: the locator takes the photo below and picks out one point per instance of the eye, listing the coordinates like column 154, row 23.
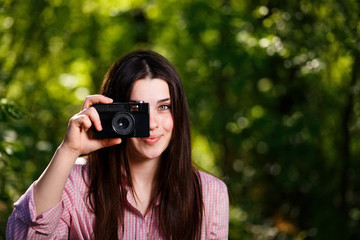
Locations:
column 164, row 107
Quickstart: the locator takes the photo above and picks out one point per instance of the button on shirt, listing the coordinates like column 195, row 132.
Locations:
column 71, row 218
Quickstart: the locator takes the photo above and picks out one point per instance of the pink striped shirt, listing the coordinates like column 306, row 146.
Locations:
column 71, row 219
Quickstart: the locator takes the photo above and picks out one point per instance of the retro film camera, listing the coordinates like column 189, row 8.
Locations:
column 123, row 120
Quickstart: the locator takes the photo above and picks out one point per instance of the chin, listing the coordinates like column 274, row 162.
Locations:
column 148, row 151
column 151, row 154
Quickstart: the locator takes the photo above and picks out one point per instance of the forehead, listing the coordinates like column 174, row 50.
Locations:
column 150, row 89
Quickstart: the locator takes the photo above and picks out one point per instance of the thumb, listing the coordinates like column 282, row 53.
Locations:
column 111, row 142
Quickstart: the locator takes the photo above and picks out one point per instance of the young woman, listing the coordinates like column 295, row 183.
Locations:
column 130, row 188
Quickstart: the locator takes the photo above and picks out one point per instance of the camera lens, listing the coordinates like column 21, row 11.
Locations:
column 123, row 123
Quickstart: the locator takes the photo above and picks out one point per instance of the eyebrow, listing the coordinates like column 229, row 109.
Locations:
column 159, row 101
column 163, row 100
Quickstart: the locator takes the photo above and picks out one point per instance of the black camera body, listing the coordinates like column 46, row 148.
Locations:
column 130, row 119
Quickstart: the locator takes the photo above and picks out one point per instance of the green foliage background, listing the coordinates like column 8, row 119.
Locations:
column 273, row 88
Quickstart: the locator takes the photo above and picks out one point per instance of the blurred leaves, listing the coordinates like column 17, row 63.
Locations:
column 9, row 109
column 273, row 90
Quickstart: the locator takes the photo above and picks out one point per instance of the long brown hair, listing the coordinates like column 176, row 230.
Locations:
column 177, row 182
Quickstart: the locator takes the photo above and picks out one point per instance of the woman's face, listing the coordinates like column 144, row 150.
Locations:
column 156, row 93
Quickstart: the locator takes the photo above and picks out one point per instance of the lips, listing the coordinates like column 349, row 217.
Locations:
column 151, row 140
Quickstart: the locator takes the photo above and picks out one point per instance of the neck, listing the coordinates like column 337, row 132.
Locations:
column 143, row 172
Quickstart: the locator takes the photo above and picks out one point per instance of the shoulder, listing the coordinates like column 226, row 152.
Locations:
column 208, row 179
column 211, row 184
column 80, row 167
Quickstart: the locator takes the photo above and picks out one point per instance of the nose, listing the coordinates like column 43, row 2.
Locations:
column 153, row 120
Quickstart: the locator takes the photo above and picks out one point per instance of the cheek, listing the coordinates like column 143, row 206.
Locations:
column 168, row 123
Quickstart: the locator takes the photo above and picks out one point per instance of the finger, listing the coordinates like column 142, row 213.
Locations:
column 92, row 99
column 94, row 117
column 108, row 142
column 81, row 121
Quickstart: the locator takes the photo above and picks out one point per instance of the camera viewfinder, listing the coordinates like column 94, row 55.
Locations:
column 134, row 108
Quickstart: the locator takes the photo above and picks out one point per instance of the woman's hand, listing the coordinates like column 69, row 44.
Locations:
column 78, row 138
